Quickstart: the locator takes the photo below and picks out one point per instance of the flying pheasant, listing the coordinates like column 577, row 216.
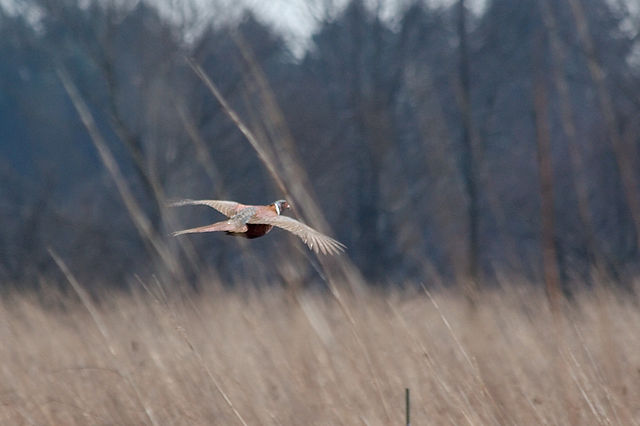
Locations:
column 255, row 221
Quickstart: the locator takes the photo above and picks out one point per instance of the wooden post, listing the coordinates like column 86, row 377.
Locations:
column 408, row 411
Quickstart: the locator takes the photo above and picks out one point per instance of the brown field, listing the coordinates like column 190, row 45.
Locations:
column 272, row 356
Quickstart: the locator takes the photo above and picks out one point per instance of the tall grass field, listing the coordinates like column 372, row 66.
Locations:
column 273, row 356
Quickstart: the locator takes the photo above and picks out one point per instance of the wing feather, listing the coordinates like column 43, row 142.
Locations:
column 316, row 241
column 243, row 216
column 227, row 208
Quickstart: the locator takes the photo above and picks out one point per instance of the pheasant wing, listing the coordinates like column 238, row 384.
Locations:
column 227, row 208
column 242, row 217
column 316, row 241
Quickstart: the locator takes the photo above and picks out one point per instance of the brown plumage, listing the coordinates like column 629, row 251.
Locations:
column 255, row 221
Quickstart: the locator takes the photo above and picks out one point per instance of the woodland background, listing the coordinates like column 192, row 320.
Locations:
column 429, row 138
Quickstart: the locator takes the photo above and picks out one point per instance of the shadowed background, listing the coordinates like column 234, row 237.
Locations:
column 418, row 133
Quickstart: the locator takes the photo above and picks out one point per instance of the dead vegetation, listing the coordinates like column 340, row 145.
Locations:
column 267, row 356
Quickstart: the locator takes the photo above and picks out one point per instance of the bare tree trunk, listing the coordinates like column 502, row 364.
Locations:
column 569, row 130
column 545, row 167
column 468, row 163
column 606, row 105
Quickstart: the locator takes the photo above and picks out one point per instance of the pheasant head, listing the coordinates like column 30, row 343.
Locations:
column 280, row 206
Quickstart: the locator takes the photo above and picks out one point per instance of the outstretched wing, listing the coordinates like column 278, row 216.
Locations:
column 316, row 241
column 227, row 208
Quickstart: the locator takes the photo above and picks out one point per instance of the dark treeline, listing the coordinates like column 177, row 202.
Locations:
column 438, row 141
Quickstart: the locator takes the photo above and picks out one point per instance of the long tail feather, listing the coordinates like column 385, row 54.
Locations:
column 218, row 226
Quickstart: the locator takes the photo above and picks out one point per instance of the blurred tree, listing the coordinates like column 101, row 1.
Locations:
column 627, row 169
column 567, row 119
column 413, row 127
column 545, row 172
column 467, row 153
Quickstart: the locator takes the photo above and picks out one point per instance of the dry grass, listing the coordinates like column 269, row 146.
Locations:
column 279, row 358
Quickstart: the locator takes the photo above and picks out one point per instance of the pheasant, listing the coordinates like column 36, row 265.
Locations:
column 255, row 221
